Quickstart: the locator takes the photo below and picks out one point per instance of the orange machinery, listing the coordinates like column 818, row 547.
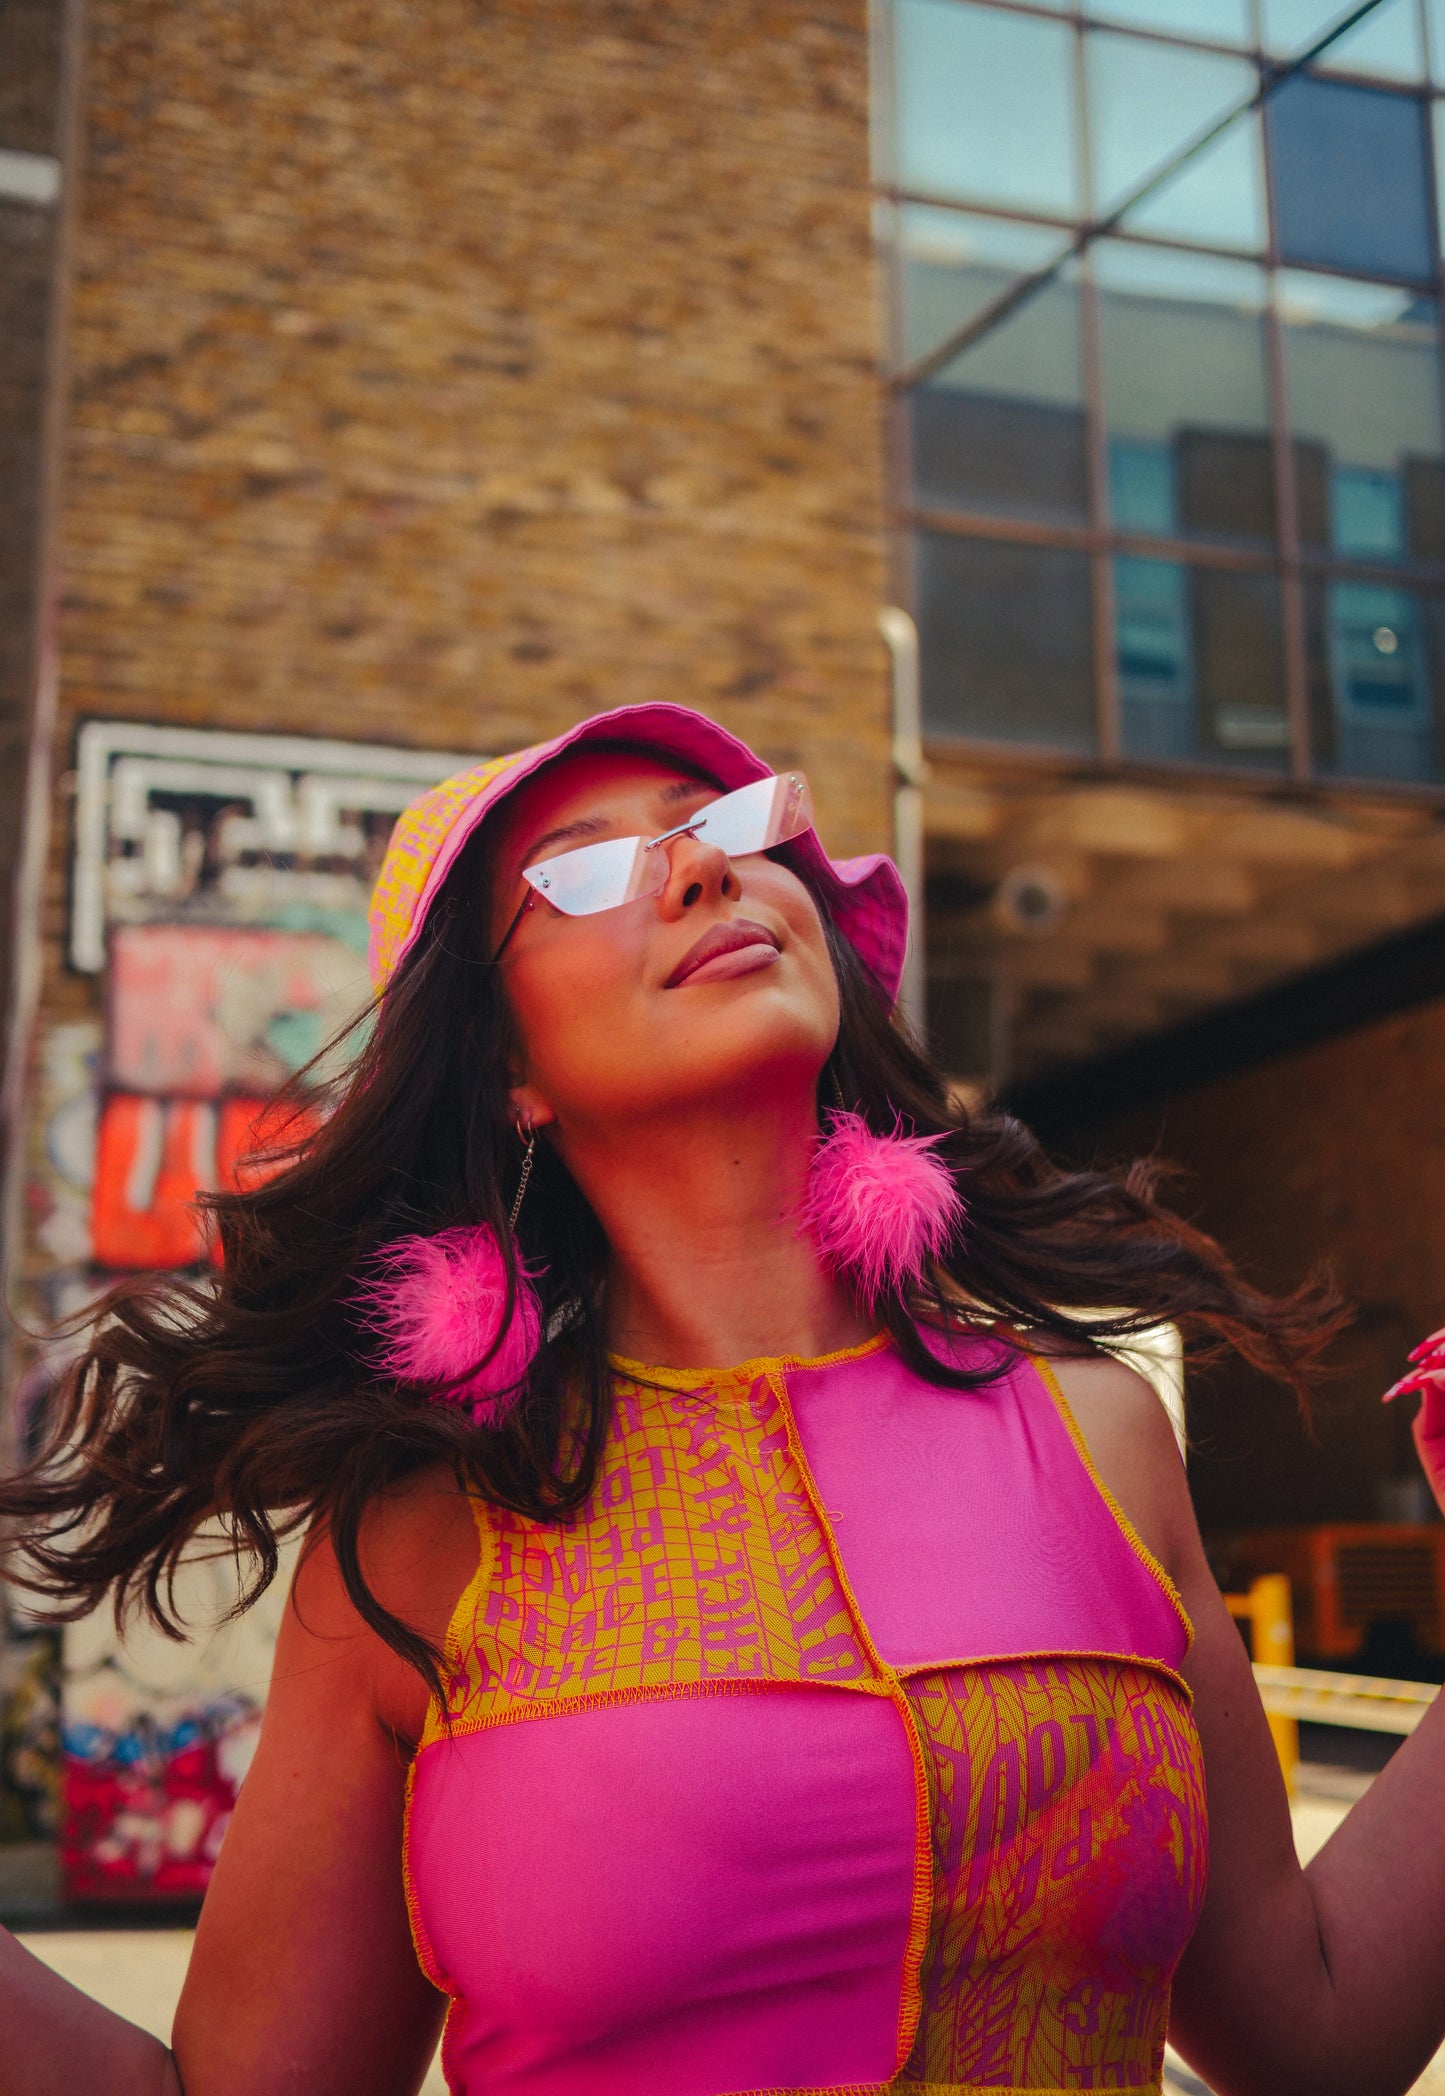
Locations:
column 1348, row 1578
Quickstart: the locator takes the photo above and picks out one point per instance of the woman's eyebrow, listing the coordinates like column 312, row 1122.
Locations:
column 684, row 789
column 594, row 825
column 569, row 833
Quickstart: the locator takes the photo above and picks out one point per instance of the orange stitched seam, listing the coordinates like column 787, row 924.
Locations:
column 1131, row 1535
column 421, row 1943
column 663, row 1692
column 922, row 2088
column 910, row 1996
column 910, row 1668
column 434, row 1725
column 767, row 1365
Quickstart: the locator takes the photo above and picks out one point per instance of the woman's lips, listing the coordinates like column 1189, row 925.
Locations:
column 727, row 950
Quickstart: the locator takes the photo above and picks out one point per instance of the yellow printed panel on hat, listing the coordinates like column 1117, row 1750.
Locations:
column 416, row 842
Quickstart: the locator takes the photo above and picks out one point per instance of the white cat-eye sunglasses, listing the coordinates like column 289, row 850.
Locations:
column 596, row 877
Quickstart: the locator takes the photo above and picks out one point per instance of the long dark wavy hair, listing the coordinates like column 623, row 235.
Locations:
column 253, row 1399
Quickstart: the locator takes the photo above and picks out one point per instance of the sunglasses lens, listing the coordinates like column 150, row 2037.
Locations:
column 757, row 817
column 599, row 876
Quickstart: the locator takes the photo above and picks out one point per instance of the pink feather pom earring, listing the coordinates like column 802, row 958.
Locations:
column 879, row 1207
column 438, row 1305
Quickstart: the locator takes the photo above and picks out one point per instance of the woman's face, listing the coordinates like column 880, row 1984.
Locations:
column 719, row 987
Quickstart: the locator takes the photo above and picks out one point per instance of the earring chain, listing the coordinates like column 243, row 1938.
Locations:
column 526, row 1175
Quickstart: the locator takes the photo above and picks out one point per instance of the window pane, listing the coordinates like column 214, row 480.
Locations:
column 1201, row 665
column 1374, row 667
column 1216, row 21
column 985, row 106
column 1006, row 637
column 1185, row 393
column 1350, row 175
column 952, row 264
column 1147, row 101
column 1156, row 674
column 1217, row 198
column 1000, row 428
column 1387, row 42
column 1435, row 25
column 1363, row 380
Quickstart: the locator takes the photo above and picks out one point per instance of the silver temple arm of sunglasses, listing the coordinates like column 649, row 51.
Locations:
column 683, row 829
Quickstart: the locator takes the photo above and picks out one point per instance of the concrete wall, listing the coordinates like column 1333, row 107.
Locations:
column 1336, row 1153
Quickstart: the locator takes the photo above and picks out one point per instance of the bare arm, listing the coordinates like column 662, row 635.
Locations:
column 303, row 1980
column 57, row 2040
column 1321, row 1982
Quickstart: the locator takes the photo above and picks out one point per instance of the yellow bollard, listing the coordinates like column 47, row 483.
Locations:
column 1268, row 1610
column 1272, row 1618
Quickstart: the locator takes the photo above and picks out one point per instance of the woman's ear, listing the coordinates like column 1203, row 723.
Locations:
column 529, row 1108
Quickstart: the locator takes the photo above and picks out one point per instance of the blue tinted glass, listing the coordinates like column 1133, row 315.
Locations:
column 1217, row 197
column 1185, row 378
column 1362, row 375
column 1006, row 638
column 1435, row 24
column 1151, row 649
column 1350, row 177
column 1000, row 428
column 1147, row 102
column 985, row 106
column 1367, row 513
column 1142, row 494
column 1375, row 694
column 1215, row 21
column 1387, row 42
column 1200, row 661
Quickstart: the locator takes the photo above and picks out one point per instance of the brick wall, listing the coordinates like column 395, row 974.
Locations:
column 444, row 372
column 1335, row 1153
column 30, row 123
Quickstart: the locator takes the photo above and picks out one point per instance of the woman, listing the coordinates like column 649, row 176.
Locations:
column 843, row 1712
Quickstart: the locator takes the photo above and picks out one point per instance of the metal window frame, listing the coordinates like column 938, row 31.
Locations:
column 1294, row 566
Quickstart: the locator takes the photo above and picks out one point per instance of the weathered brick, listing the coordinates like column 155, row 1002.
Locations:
column 444, row 373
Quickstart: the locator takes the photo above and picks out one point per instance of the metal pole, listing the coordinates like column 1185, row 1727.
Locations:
column 910, row 773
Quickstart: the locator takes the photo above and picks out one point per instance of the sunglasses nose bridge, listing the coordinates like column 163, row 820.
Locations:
column 683, row 829
column 699, row 866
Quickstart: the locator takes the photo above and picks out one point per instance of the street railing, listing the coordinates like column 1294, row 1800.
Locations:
column 1364, row 1700
column 1289, row 1693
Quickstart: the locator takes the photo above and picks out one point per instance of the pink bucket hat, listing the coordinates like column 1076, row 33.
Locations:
column 866, row 896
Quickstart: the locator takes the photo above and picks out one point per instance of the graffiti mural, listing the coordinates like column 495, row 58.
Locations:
column 205, row 1021
column 157, row 1736
column 219, row 890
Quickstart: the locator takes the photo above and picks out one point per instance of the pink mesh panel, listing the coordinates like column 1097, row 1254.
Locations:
column 968, row 1524
column 670, row 1898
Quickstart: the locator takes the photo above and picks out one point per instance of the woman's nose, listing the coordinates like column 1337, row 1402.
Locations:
column 695, row 871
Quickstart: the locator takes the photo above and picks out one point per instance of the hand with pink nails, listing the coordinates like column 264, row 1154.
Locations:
column 1427, row 1375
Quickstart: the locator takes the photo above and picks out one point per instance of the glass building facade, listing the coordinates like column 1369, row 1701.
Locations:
column 1170, row 430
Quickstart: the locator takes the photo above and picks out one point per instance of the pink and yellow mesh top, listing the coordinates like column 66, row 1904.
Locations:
column 837, row 1745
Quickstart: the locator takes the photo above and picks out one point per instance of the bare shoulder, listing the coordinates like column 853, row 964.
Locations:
column 1131, row 1444
column 417, row 1552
